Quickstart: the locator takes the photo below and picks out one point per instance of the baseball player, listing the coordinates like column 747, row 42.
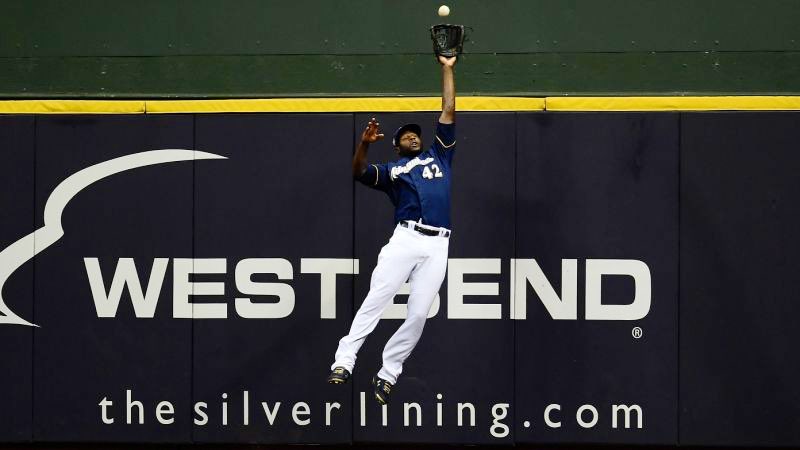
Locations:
column 418, row 185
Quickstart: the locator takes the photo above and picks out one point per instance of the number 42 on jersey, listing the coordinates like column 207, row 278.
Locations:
column 432, row 172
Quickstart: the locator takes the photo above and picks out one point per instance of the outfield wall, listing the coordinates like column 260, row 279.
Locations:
column 661, row 242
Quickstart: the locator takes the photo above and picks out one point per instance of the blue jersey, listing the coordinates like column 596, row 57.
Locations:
column 419, row 187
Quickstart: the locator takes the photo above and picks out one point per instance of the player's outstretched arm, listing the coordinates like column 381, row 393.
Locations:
column 369, row 136
column 448, row 89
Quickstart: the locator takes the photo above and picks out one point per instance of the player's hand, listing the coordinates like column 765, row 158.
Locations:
column 371, row 134
column 447, row 62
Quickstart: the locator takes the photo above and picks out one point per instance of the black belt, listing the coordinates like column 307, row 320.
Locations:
column 426, row 231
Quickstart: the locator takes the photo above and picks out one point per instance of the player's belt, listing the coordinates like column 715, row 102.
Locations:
column 443, row 232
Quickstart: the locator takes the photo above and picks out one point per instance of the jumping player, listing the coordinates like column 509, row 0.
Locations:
column 418, row 185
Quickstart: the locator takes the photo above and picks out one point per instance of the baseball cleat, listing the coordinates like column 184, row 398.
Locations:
column 339, row 375
column 383, row 389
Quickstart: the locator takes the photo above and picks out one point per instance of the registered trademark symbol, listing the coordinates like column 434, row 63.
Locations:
column 637, row 332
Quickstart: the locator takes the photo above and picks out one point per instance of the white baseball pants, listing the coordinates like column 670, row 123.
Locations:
column 409, row 255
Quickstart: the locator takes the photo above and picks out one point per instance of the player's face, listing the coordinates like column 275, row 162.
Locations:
column 409, row 143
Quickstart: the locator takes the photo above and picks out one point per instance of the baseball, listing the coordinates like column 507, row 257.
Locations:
column 444, row 11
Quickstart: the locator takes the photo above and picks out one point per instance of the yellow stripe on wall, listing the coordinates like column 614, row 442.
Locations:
column 402, row 104
column 367, row 104
column 72, row 107
column 721, row 103
column 285, row 105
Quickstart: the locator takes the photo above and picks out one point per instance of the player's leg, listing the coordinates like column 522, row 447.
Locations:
column 395, row 262
column 426, row 280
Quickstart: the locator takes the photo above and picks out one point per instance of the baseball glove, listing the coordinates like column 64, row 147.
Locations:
column 448, row 40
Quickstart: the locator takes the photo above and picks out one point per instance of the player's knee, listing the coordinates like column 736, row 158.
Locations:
column 417, row 316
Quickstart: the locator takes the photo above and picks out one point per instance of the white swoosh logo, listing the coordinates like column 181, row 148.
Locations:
column 16, row 254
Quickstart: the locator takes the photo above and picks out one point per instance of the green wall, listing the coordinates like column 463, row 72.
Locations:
column 249, row 48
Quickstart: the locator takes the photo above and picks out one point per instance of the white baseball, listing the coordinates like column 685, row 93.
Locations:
column 444, row 11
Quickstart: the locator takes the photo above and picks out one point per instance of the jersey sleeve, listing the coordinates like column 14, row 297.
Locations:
column 444, row 143
column 376, row 176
